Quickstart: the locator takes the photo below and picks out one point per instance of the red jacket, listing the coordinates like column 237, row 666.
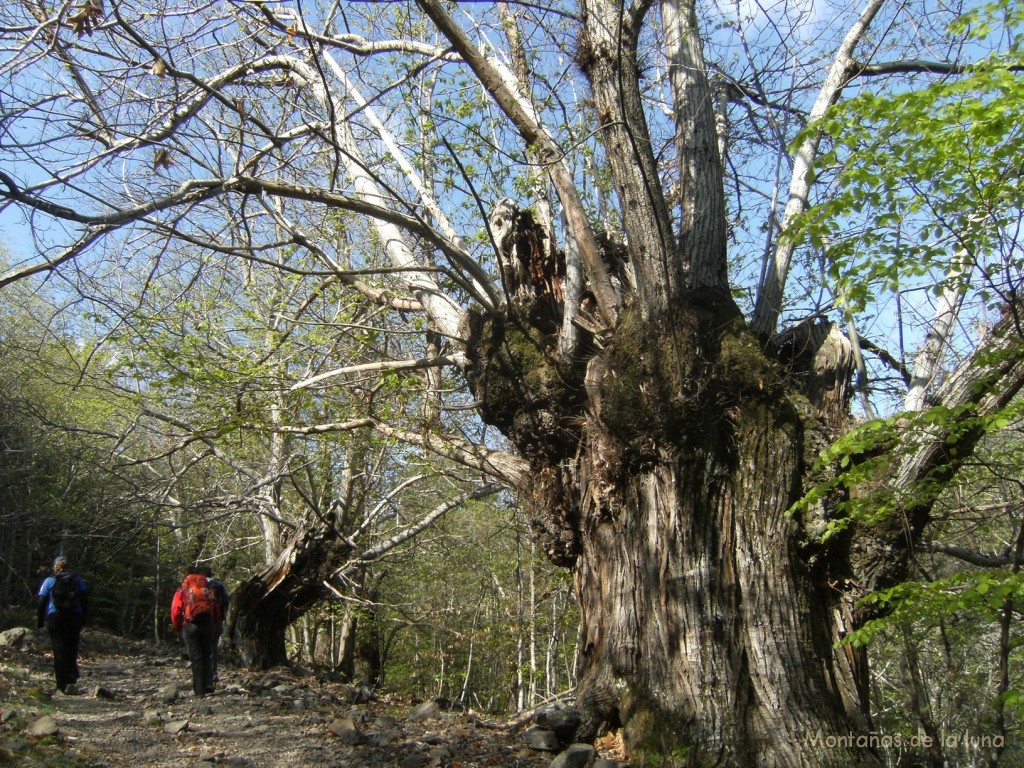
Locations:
column 178, row 604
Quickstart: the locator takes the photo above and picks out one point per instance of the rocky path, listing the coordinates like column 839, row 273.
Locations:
column 135, row 708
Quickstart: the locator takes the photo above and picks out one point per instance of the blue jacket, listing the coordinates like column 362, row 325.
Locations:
column 45, row 606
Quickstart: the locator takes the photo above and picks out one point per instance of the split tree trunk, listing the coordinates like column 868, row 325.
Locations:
column 263, row 607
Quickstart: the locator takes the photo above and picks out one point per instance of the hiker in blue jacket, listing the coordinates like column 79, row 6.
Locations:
column 63, row 608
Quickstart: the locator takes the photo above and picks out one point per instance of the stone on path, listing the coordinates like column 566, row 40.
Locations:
column 561, row 718
column 176, row 727
column 15, row 638
column 576, row 756
column 44, row 726
column 440, row 756
column 541, row 739
column 167, row 694
column 346, row 731
column 210, row 755
column 428, row 710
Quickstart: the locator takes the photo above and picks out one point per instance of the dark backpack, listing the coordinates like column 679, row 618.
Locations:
column 198, row 598
column 221, row 593
column 64, row 594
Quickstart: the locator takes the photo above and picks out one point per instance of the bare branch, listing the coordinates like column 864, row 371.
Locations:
column 509, row 469
column 501, row 86
column 979, row 559
column 918, row 66
column 382, row 365
column 379, row 550
column 315, row 429
column 769, row 296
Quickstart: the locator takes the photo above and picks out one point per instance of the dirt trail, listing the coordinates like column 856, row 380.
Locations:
column 276, row 719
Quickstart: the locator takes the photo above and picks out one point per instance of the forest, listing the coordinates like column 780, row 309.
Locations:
column 661, row 358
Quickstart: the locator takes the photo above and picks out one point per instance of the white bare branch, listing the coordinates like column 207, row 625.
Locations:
column 770, row 292
column 382, row 365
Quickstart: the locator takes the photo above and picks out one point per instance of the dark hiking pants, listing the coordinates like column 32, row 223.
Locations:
column 65, row 632
column 199, row 642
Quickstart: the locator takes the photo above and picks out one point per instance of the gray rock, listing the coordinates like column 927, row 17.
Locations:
column 439, row 756
column 428, row 710
column 541, row 739
column 152, row 717
column 362, row 694
column 345, row 729
column 388, row 737
column 576, row 756
column 176, row 727
column 167, row 694
column 563, row 719
column 15, row 638
column 413, row 761
column 44, row 726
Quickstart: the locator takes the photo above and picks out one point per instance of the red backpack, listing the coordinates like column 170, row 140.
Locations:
column 198, row 598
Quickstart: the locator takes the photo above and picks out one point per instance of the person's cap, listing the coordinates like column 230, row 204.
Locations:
column 59, row 559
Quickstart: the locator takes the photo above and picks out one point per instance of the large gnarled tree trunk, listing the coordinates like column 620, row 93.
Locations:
column 707, row 631
column 666, row 454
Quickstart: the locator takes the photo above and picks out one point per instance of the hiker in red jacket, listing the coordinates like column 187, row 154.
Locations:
column 196, row 613
column 224, row 600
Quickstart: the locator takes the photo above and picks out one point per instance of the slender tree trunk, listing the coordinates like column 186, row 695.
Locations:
column 532, row 619
column 918, row 703
column 929, row 358
column 345, row 645
column 770, row 293
column 271, row 493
